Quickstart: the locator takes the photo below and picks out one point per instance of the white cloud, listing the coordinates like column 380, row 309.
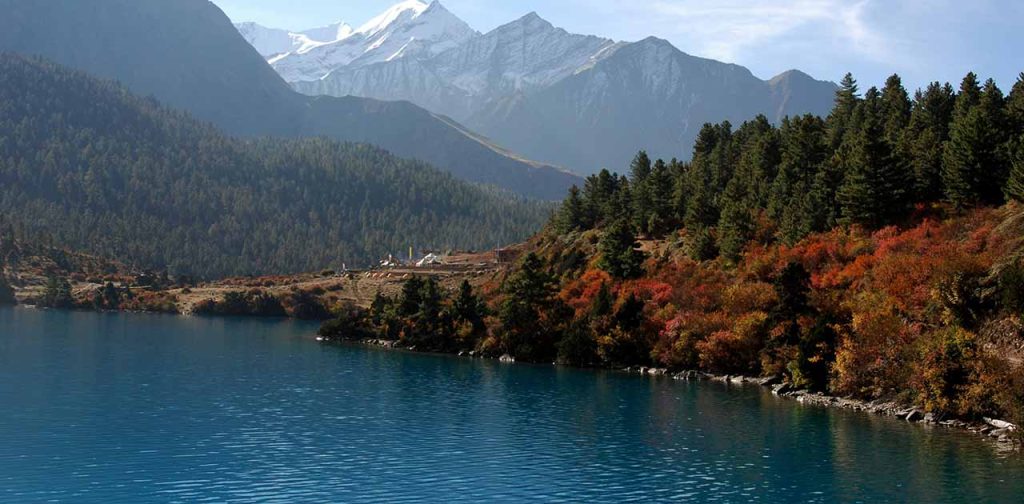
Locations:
column 724, row 29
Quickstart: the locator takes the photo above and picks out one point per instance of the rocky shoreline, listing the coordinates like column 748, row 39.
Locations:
column 1000, row 432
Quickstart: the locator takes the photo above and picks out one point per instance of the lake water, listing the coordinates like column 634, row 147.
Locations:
column 133, row 408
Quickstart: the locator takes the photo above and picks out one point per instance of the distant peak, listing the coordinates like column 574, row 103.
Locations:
column 532, row 19
column 405, row 10
column 655, row 44
column 792, row 76
column 791, row 73
column 436, row 6
column 655, row 41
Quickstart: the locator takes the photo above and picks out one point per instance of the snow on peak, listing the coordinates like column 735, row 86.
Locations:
column 330, row 33
column 273, row 43
column 409, row 29
column 400, row 12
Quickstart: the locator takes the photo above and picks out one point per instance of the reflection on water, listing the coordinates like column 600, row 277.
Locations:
column 103, row 408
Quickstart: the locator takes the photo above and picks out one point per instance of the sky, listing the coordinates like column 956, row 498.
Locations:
column 922, row 40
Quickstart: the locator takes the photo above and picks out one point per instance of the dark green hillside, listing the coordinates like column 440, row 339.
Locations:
column 188, row 55
column 98, row 169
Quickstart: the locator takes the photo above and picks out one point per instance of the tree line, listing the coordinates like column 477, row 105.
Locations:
column 876, row 156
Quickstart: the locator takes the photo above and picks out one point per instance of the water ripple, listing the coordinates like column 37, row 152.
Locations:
column 124, row 408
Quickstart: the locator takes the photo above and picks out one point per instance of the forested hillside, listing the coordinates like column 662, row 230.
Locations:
column 876, row 254
column 92, row 167
column 188, row 55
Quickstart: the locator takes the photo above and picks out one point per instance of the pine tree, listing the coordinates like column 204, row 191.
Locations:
column 468, row 307
column 660, row 218
column 572, row 214
column 681, row 191
column 896, row 109
column 700, row 208
column 993, row 179
column 759, row 162
column 412, row 296
column 925, row 139
column 524, row 332
column 621, row 204
column 960, row 159
column 968, row 97
column 640, row 167
column 735, row 225
column 619, row 254
column 598, row 195
column 873, row 192
column 804, row 155
column 429, row 328
column 1015, row 185
column 974, row 164
column 1015, row 107
column 843, row 111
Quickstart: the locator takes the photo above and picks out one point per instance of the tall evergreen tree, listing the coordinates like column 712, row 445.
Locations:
column 659, row 217
column 1015, row 184
column 701, row 211
column 896, row 110
column 843, row 111
column 619, row 254
column 873, row 192
column 572, row 216
column 412, row 297
column 926, row 137
column 1015, row 107
column 759, row 161
column 598, row 197
column 640, row 167
column 429, row 326
column 993, row 106
column 804, row 155
column 681, row 190
column 735, row 226
column 468, row 307
column 525, row 333
column 974, row 163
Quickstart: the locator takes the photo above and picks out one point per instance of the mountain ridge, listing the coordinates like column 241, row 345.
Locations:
column 505, row 75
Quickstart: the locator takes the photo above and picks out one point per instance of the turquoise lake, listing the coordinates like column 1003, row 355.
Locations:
column 111, row 408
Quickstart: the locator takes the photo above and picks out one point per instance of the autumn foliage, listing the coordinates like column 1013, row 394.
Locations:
column 899, row 313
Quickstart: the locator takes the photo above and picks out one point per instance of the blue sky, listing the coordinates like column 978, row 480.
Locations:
column 922, row 40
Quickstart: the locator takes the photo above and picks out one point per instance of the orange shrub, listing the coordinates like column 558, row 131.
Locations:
column 736, row 350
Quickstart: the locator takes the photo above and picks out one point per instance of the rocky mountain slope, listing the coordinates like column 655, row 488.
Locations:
column 568, row 99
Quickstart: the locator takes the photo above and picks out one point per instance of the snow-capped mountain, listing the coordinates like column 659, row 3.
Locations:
column 520, row 57
column 408, row 29
column 648, row 95
column 583, row 102
column 272, row 42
